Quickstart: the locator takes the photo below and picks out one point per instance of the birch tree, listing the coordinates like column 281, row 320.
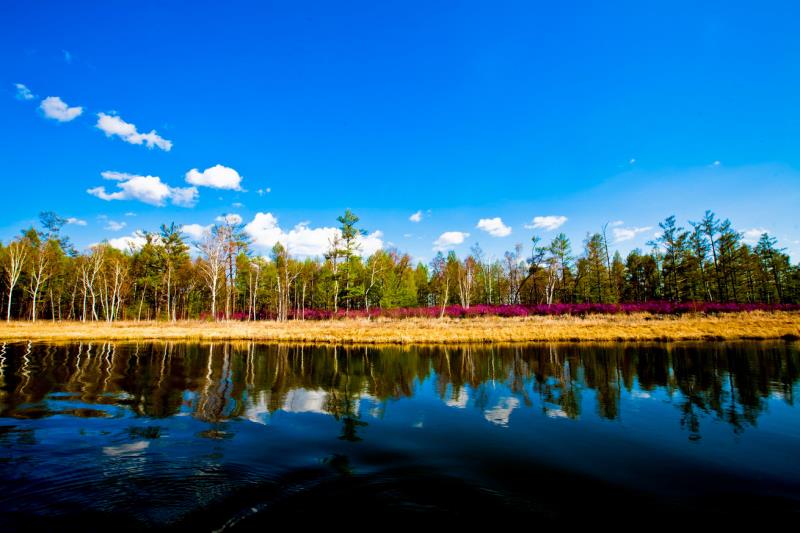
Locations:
column 285, row 277
column 16, row 254
column 212, row 248
column 89, row 269
column 113, row 286
column 40, row 268
column 466, row 279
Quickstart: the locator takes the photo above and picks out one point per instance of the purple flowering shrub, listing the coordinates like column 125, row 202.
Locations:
column 558, row 309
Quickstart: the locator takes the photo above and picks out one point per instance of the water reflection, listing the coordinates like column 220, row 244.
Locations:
column 198, row 436
column 215, row 383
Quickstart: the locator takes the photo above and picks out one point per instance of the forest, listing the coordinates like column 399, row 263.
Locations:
column 221, row 276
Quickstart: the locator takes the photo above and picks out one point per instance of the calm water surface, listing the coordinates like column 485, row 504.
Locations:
column 234, row 436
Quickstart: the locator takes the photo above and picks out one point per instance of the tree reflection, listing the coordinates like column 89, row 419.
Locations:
column 223, row 381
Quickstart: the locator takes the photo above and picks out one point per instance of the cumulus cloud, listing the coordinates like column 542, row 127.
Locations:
column 76, row 221
column 133, row 241
column 416, row 217
column 114, row 125
column 231, row 219
column 23, row 93
column 57, row 109
column 184, row 196
column 752, row 235
column 547, row 223
column 449, row 240
column 625, row 234
column 196, row 231
column 148, row 189
column 303, row 240
column 494, row 227
column 216, row 177
column 113, row 225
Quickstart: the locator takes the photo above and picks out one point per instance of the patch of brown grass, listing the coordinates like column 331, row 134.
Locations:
column 733, row 326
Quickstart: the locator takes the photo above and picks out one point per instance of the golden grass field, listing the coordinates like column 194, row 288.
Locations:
column 733, row 326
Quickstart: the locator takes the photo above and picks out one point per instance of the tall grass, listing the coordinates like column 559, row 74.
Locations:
column 384, row 330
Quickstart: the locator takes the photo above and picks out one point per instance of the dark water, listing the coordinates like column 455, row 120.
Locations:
column 126, row 436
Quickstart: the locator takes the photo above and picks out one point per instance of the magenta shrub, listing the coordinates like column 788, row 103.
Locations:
column 457, row 311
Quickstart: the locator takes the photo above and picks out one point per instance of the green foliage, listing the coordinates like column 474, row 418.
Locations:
column 161, row 279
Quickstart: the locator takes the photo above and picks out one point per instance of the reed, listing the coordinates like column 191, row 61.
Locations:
column 619, row 327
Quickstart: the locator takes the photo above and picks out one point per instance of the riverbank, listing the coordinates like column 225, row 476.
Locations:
column 643, row 327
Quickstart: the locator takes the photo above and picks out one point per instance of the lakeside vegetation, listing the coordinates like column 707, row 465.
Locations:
column 706, row 268
column 565, row 328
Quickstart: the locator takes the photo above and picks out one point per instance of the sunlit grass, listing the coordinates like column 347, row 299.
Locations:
column 639, row 327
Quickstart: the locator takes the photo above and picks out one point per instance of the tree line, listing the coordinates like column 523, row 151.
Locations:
column 220, row 276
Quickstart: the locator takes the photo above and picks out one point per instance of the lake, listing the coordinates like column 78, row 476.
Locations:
column 237, row 435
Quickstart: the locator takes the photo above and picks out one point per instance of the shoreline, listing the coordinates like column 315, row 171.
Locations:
column 755, row 325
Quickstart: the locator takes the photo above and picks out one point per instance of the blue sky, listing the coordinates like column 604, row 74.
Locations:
column 619, row 112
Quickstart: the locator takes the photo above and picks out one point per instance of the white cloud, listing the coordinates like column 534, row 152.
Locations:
column 216, row 177
column 449, row 239
column 752, row 235
column 130, row 214
column 76, row 221
column 626, row 234
column 416, row 217
column 632, row 161
column 500, row 414
column 371, row 243
column 184, row 196
column 716, row 164
column 547, row 223
column 55, row 108
column 114, row 125
column 23, row 93
column 460, row 400
column 148, row 189
column 232, row 219
column 262, row 192
column 196, row 231
column 134, row 241
column 494, row 227
column 617, row 223
column 303, row 240
column 113, row 225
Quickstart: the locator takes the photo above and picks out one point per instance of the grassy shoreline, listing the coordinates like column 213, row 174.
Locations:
column 597, row 328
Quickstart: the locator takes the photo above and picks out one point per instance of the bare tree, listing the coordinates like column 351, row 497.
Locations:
column 40, row 272
column 118, row 276
column 89, row 269
column 212, row 247
column 17, row 254
column 285, row 278
column 254, row 266
column 466, row 278
column 375, row 268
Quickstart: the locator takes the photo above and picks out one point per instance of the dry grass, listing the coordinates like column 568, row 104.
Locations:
column 733, row 326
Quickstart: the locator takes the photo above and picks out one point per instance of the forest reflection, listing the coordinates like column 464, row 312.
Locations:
column 218, row 382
